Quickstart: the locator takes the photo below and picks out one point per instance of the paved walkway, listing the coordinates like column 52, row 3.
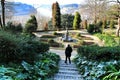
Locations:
column 69, row 71
column 66, row 71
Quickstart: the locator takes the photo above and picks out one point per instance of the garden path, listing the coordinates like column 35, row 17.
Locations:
column 66, row 71
column 69, row 71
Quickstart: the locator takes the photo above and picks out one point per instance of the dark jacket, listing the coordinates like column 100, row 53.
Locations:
column 68, row 51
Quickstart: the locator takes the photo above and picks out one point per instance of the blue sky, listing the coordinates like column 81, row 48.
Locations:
column 49, row 1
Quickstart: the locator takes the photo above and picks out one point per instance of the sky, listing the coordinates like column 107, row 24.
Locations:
column 35, row 3
column 49, row 1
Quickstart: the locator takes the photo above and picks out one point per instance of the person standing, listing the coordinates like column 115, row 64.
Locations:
column 68, row 52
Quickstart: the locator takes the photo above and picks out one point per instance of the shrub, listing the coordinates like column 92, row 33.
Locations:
column 29, row 49
column 109, row 40
column 112, row 24
column 55, row 33
column 19, row 48
column 90, row 28
column 99, row 53
column 94, row 70
column 47, row 36
column 77, row 35
column 14, row 27
column 31, row 25
column 98, row 27
column 43, row 69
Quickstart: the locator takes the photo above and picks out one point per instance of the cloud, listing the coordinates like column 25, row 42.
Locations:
column 61, row 2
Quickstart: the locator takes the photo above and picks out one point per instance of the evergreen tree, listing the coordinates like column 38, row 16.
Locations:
column 67, row 20
column 56, row 16
column 31, row 25
column 77, row 20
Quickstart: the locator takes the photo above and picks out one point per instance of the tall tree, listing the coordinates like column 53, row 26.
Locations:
column 67, row 20
column 96, row 9
column 76, row 21
column 118, row 15
column 56, row 16
column 31, row 25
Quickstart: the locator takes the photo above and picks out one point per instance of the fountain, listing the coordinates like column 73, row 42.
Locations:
column 66, row 37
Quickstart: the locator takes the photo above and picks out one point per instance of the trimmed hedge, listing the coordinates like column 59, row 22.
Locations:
column 99, row 53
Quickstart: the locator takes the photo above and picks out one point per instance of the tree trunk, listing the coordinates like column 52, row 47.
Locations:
column 3, row 12
column 118, row 28
column 0, row 22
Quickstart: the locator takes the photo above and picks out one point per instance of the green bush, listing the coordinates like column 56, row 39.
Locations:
column 90, row 28
column 77, row 35
column 109, row 40
column 94, row 70
column 14, row 27
column 19, row 48
column 48, row 36
column 55, row 33
column 98, row 27
column 31, row 25
column 43, row 69
column 99, row 53
column 112, row 24
column 29, row 49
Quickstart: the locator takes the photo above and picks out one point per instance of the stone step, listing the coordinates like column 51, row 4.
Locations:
column 68, row 73
column 67, row 65
column 63, row 71
column 67, row 77
column 68, row 68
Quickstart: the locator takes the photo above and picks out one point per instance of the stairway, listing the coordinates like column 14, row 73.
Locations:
column 67, row 72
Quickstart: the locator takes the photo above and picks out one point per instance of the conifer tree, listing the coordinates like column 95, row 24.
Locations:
column 56, row 16
column 76, row 21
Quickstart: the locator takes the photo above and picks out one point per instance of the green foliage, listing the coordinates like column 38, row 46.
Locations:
column 48, row 36
column 13, row 27
column 113, row 72
column 90, row 28
column 51, row 41
column 76, row 21
column 29, row 49
column 109, row 40
column 43, row 69
column 94, row 70
column 56, row 16
column 67, row 20
column 57, row 34
column 31, row 25
column 112, row 24
column 99, row 53
column 98, row 27
column 50, row 26
column 78, row 35
column 17, row 48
